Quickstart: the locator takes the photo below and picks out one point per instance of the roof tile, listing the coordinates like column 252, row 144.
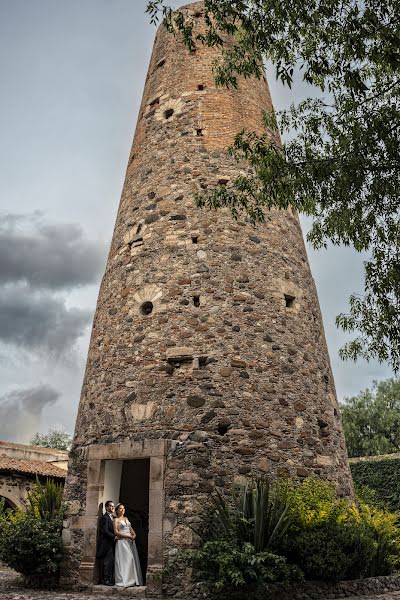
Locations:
column 31, row 467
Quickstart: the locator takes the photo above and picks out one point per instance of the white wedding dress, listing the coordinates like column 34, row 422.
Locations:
column 127, row 565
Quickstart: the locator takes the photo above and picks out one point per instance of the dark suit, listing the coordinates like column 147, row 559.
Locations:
column 105, row 546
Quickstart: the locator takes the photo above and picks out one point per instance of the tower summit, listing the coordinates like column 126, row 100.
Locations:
column 207, row 360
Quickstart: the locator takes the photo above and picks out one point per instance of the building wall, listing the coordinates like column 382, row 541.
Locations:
column 240, row 384
column 25, row 452
column 15, row 488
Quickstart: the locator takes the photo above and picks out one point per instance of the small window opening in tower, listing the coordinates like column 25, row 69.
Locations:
column 155, row 102
column 161, row 63
column 139, row 228
column 195, row 239
column 146, row 309
column 199, row 132
column 223, row 181
column 201, row 87
column 184, row 364
column 289, row 301
column 203, row 362
column 168, row 113
column 222, row 429
column 196, row 300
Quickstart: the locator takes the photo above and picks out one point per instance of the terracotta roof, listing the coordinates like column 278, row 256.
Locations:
column 31, row 467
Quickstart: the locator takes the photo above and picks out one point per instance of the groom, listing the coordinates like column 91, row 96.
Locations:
column 106, row 543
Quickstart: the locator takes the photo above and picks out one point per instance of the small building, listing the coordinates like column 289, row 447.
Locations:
column 19, row 466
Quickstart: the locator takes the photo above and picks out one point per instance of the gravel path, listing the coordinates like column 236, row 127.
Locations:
column 11, row 589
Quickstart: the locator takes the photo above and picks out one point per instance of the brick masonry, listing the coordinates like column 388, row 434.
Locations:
column 207, row 332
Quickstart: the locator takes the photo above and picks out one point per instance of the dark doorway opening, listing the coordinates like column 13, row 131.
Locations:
column 134, row 493
column 8, row 505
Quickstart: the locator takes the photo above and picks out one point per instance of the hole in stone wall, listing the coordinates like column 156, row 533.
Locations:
column 161, row 63
column 195, row 239
column 155, row 102
column 223, row 181
column 196, row 300
column 289, row 301
column 168, row 113
column 199, row 132
column 222, row 429
column 202, row 362
column 137, row 241
column 201, row 87
column 197, row 15
column 184, row 365
column 146, row 309
column 139, row 228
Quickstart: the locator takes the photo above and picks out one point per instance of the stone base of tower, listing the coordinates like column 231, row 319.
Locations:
column 182, row 472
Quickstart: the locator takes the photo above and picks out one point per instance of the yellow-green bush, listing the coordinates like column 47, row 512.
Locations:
column 335, row 539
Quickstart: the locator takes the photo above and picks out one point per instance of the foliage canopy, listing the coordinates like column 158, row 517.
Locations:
column 340, row 161
column 371, row 420
column 61, row 440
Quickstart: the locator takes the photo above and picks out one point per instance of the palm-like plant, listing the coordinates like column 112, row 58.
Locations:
column 46, row 501
column 257, row 512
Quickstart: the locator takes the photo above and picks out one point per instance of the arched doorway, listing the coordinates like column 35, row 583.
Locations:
column 8, row 504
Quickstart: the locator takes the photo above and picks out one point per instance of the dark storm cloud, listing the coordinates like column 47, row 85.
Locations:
column 47, row 256
column 39, row 321
column 20, row 410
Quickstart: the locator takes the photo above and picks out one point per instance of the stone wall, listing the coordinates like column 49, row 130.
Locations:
column 207, row 331
column 15, row 487
column 316, row 590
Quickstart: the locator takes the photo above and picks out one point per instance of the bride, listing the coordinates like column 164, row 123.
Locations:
column 127, row 565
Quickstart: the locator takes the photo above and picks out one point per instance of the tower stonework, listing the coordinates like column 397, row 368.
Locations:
column 207, row 359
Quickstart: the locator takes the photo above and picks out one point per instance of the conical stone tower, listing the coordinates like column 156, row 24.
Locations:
column 207, row 360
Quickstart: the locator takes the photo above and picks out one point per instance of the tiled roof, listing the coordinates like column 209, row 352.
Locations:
column 31, row 467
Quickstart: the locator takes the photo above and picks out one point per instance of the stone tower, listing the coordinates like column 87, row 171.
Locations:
column 207, row 360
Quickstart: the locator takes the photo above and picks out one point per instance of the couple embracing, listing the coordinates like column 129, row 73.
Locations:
column 117, row 548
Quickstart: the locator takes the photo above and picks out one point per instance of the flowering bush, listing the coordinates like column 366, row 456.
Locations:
column 335, row 539
column 288, row 531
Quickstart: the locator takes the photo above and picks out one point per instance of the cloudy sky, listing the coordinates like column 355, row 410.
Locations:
column 72, row 76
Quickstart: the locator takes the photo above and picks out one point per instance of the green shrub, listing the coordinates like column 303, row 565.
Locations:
column 46, row 501
column 332, row 539
column 30, row 542
column 383, row 476
column 223, row 566
column 256, row 513
column 288, row 531
column 237, row 539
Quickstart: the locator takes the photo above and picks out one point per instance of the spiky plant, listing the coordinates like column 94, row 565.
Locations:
column 256, row 512
column 46, row 501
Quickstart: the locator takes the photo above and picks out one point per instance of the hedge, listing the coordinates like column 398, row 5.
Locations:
column 382, row 476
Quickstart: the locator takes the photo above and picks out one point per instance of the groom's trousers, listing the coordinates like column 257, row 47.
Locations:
column 108, row 566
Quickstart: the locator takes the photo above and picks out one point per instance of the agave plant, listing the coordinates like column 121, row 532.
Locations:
column 257, row 512
column 46, row 501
